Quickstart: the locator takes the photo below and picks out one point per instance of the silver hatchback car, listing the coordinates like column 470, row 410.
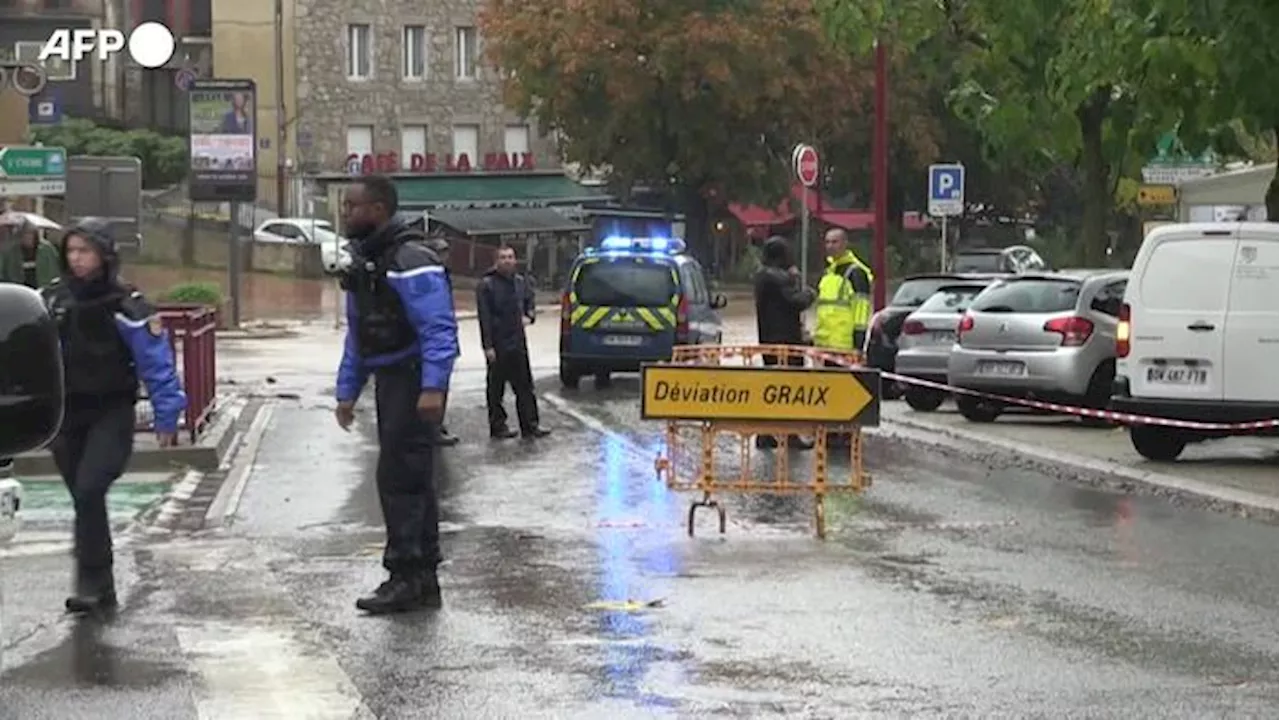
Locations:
column 926, row 339
column 1048, row 336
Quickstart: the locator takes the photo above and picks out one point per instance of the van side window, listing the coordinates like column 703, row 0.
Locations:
column 1109, row 299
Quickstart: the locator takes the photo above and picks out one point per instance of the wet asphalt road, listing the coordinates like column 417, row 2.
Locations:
column 949, row 590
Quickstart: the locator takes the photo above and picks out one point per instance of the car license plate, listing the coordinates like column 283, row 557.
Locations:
column 1002, row 369
column 623, row 340
column 944, row 337
column 1177, row 375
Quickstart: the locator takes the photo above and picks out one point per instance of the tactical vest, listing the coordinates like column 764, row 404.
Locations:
column 840, row 310
column 382, row 324
column 96, row 360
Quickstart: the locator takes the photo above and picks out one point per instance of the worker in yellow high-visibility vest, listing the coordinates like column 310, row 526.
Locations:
column 844, row 297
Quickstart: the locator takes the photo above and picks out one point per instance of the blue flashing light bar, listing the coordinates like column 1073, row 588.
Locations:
column 656, row 245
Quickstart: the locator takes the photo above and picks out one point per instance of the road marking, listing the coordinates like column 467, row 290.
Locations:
column 266, row 673
column 593, row 424
column 227, row 501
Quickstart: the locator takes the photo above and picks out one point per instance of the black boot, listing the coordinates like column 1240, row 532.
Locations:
column 95, row 592
column 446, row 438
column 501, row 433
column 431, row 590
column 401, row 593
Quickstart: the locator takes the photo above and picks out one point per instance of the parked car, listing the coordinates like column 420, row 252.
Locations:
column 1199, row 332
column 335, row 253
column 881, row 345
column 924, row 346
column 1048, row 336
column 1013, row 259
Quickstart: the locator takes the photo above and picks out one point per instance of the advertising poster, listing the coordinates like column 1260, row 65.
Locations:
column 223, row 141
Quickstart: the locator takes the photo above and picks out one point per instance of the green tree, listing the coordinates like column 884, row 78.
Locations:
column 1084, row 82
column 701, row 98
column 163, row 157
column 1234, row 106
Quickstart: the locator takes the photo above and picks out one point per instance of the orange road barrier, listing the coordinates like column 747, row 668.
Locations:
column 717, row 399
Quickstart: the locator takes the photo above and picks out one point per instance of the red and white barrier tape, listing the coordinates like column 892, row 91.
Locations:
column 1119, row 417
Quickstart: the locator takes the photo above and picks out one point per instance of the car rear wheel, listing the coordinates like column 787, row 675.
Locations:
column 569, row 377
column 603, row 380
column 1157, row 443
column 1098, row 396
column 977, row 410
column 924, row 399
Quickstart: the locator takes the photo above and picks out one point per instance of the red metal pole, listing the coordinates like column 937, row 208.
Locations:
column 880, row 177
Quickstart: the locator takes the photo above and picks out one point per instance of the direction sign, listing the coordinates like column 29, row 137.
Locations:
column 806, row 163
column 1150, row 195
column 818, row 395
column 946, row 190
column 29, row 170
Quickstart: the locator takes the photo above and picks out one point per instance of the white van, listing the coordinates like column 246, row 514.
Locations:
column 1199, row 332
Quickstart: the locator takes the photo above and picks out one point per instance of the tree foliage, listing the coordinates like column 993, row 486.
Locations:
column 163, row 157
column 706, row 97
column 1082, row 82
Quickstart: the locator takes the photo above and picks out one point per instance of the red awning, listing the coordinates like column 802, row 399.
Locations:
column 754, row 216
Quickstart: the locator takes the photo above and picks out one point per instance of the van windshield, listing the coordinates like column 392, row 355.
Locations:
column 1029, row 295
column 627, row 282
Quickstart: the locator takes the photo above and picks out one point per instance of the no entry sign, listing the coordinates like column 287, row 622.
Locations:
column 807, row 166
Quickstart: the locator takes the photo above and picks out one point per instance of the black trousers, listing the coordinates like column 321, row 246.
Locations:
column 91, row 452
column 511, row 368
column 406, row 472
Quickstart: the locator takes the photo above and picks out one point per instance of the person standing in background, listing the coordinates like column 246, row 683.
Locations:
column 780, row 300
column 27, row 259
column 504, row 303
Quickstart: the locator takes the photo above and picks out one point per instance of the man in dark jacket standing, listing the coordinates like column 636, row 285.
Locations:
column 504, row 302
column 780, row 300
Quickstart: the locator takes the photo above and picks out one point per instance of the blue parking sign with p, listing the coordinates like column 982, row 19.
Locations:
column 946, row 189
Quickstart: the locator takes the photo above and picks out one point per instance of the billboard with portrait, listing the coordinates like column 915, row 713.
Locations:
column 224, row 145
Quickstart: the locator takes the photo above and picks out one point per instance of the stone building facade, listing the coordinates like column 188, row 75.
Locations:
column 397, row 79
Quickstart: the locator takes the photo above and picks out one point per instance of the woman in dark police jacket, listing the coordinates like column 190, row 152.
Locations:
column 112, row 338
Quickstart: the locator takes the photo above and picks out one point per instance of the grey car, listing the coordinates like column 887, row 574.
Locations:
column 1048, row 336
column 928, row 334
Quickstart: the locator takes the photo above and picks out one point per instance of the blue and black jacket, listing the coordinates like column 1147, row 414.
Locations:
column 110, row 342
column 395, row 273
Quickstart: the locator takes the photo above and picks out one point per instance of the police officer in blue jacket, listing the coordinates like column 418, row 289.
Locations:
column 111, row 340
column 401, row 329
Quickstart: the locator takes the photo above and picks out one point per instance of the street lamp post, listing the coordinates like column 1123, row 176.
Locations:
column 880, row 176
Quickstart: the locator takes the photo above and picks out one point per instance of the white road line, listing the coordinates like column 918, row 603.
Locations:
column 227, row 501
column 593, row 424
column 264, row 673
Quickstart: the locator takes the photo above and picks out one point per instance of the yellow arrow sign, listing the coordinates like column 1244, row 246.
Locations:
column 818, row 395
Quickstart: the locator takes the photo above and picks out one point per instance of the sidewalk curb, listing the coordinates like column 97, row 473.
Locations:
column 1089, row 470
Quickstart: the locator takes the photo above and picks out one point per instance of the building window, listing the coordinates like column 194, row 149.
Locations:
column 413, row 141
column 55, row 69
column 464, row 48
column 466, row 141
column 359, row 52
column 516, row 140
column 359, row 140
column 413, row 60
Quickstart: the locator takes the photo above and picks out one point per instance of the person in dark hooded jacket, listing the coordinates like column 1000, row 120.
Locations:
column 112, row 339
column 780, row 301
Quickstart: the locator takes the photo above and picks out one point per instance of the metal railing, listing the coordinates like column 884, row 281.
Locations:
column 193, row 336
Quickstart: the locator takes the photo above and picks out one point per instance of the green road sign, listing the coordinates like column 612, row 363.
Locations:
column 29, row 170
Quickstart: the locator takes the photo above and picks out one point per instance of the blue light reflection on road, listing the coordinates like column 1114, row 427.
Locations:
column 629, row 556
